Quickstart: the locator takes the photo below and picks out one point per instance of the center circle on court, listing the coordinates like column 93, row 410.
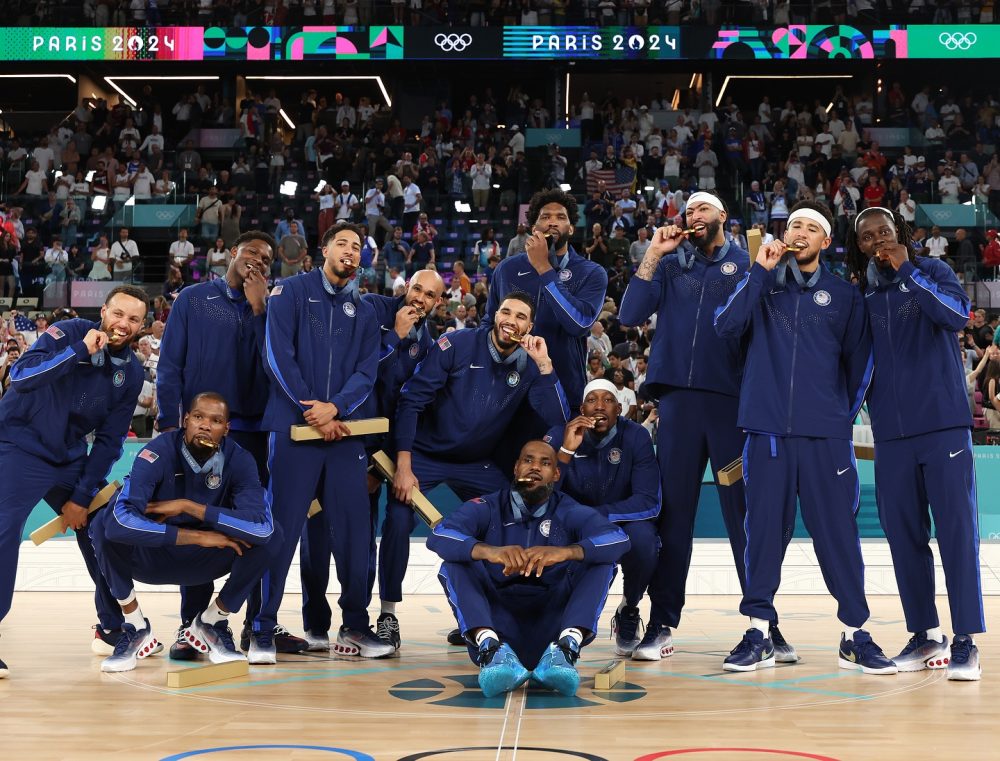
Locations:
column 762, row 751
column 529, row 754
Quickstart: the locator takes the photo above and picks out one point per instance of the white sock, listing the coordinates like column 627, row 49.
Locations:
column 484, row 634
column 849, row 632
column 935, row 634
column 135, row 618
column 128, row 600
column 388, row 607
column 213, row 614
column 760, row 625
column 574, row 634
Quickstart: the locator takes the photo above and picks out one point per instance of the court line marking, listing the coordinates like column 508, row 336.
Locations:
column 520, row 715
column 503, row 729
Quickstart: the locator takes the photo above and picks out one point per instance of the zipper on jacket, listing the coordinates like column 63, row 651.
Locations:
column 697, row 320
column 795, row 349
column 329, row 367
column 892, row 363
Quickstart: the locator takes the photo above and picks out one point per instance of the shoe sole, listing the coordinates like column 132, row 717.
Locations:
column 318, row 647
column 4, row 673
column 767, row 663
column 852, row 666
column 262, row 660
column 343, row 648
column 964, row 678
column 627, row 648
column 933, row 663
column 152, row 647
column 664, row 652
column 787, row 658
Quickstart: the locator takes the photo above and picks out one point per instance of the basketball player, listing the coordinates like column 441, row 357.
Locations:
column 526, row 571
column 923, row 443
column 807, row 371
column 191, row 511
column 78, row 377
column 607, row 463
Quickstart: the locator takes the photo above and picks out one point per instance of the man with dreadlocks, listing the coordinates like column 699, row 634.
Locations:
column 923, row 442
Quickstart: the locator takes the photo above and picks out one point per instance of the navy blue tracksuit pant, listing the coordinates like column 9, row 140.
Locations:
column 333, row 472
column 124, row 564
column 695, row 427
column 468, row 480
column 823, row 474
column 932, row 470
column 639, row 563
column 26, row 479
column 527, row 616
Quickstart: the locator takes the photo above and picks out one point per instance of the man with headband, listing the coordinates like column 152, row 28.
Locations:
column 608, row 463
column 923, row 444
column 321, row 352
column 685, row 275
column 191, row 511
column 807, row 370
column 406, row 339
column 526, row 571
column 452, row 415
column 79, row 377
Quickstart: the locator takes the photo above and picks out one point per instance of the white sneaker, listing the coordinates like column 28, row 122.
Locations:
column 362, row 643
column 317, row 642
column 133, row 645
column 262, row 651
column 656, row 644
column 215, row 640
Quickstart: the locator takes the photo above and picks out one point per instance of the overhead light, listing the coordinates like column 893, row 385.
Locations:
column 288, row 188
column 319, row 188
column 565, row 187
column 98, row 203
column 649, row 188
column 501, row 126
column 463, row 208
column 285, row 117
column 378, row 81
column 694, row 76
column 725, row 84
column 111, row 81
column 496, row 187
column 70, row 77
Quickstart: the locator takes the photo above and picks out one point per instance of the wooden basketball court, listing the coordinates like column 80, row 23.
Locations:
column 426, row 704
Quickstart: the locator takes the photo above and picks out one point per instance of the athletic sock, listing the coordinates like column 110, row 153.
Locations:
column 574, row 634
column 760, row 625
column 388, row 607
column 935, row 634
column 213, row 614
column 849, row 633
column 135, row 618
column 484, row 634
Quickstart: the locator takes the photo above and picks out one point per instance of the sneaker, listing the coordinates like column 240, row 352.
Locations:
column 500, row 670
column 556, row 668
column 361, row 643
column 656, row 644
column 260, row 650
column 132, row 645
column 755, row 651
column 4, row 671
column 863, row 654
column 456, row 639
column 181, row 650
column 964, row 665
column 215, row 639
column 783, row 652
column 286, row 642
column 922, row 653
column 387, row 630
column 316, row 641
column 104, row 640
column 625, row 626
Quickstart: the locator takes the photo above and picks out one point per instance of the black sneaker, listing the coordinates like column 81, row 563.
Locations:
column 181, row 650
column 387, row 629
column 456, row 639
column 286, row 642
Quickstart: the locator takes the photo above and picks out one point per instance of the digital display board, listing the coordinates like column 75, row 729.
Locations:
column 796, row 42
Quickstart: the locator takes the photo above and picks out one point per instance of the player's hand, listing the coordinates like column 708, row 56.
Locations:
column 167, row 508
column 537, row 249
column 255, row 289
column 512, row 557
column 374, row 483
column 541, row 557
column 73, row 516
column 319, row 413
column 665, row 240
column 406, row 318
column 95, row 341
column 538, row 351
column 220, row 541
column 404, row 483
column 893, row 254
column 573, row 434
column 770, row 254
column 335, row 430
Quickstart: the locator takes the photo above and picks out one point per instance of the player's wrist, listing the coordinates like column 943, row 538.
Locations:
column 570, row 452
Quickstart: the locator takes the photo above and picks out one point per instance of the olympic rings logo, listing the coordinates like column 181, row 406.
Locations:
column 958, row 40
column 455, row 42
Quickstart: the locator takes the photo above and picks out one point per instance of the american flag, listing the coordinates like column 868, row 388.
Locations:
column 616, row 180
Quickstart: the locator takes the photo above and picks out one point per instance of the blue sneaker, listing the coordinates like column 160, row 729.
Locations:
column 755, row 651
column 132, row 645
column 964, row 665
column 499, row 669
column 922, row 653
column 863, row 654
column 557, row 667
column 216, row 640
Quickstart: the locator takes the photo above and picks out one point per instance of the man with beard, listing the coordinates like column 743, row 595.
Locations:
column 213, row 342
column 321, row 352
column 451, row 417
column 526, row 571
column 191, row 511
column 807, row 371
column 923, row 445
column 78, row 377
column 406, row 340
column 567, row 289
column 608, row 463
column 684, row 277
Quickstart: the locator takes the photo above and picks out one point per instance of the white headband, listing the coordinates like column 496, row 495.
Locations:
column 887, row 212
column 813, row 216
column 599, row 384
column 708, row 198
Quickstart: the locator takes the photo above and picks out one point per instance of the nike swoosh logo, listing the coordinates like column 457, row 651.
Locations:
column 361, row 457
column 214, row 297
column 777, row 290
column 955, row 454
column 580, row 456
column 313, row 301
column 851, row 657
column 522, row 274
column 765, row 656
column 842, row 472
column 475, row 367
column 381, row 326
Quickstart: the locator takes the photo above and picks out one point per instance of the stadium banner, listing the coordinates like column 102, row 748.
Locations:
column 796, row 42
